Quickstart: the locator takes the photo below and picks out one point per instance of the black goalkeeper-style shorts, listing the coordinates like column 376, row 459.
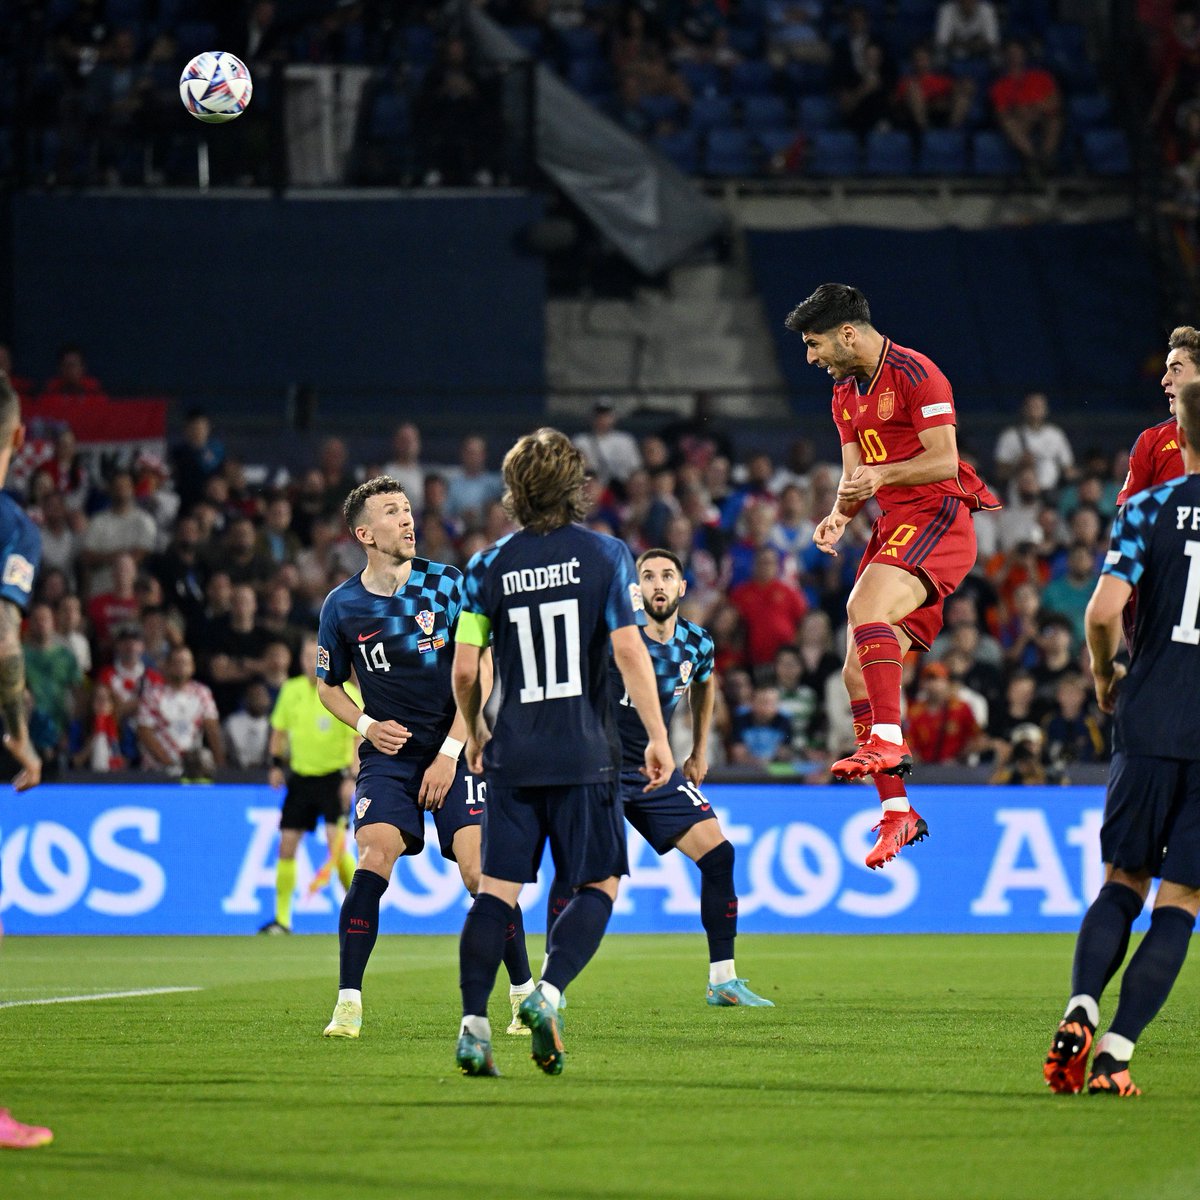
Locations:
column 310, row 797
column 1152, row 817
column 664, row 815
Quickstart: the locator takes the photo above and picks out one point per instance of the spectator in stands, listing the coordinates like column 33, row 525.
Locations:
column 472, row 486
column 278, row 661
column 610, row 453
column 864, row 74
column 967, row 29
column 96, row 741
column 60, row 542
column 1070, row 593
column 763, row 735
column 115, row 607
column 940, row 725
column 72, row 383
column 1029, row 110
column 728, row 633
column 794, row 32
column 1021, row 762
column 1055, row 656
column 277, row 540
column 277, row 616
column 455, row 121
column 1016, row 707
column 792, row 531
column 1017, row 522
column 1179, row 71
column 799, row 702
column 337, row 477
column 927, row 98
column 405, row 467
column 235, row 647
column 51, row 675
column 177, row 723
column 770, row 608
column 122, row 528
column 127, row 677
column 181, row 570
column 196, row 459
column 960, row 665
column 1035, row 442
column 248, row 731
column 153, row 489
column 317, row 565
column 1074, row 731
column 700, row 33
column 66, row 469
column 239, row 555
column 68, row 624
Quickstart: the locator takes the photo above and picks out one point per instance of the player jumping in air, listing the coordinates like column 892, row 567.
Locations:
column 894, row 412
column 20, row 554
column 552, row 598
column 677, row 815
column 1152, row 812
column 394, row 624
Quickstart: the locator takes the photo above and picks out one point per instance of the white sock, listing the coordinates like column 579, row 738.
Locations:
column 550, row 992
column 896, row 804
column 1121, row 1048
column 479, row 1027
column 721, row 972
column 545, row 964
column 889, row 733
column 1089, row 1006
column 351, row 994
column 521, row 989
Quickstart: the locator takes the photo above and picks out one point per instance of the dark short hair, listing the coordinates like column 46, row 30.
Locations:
column 1187, row 412
column 831, row 305
column 381, row 485
column 659, row 552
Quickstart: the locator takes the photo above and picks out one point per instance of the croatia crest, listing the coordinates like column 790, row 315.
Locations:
column 425, row 620
column 361, row 807
column 685, row 671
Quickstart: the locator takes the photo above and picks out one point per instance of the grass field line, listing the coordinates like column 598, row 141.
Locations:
column 161, row 991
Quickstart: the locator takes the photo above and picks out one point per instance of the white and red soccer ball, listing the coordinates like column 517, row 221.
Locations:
column 215, row 87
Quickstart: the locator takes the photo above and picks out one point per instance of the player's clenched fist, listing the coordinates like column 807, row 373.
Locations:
column 1107, row 686
column 387, row 736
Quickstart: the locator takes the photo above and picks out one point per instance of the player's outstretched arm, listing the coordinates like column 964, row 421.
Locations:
column 388, row 737
column 637, row 671
column 702, row 698
column 1102, row 623
column 12, row 699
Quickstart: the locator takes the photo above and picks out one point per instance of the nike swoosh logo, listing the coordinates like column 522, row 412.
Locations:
column 474, row 811
column 364, row 637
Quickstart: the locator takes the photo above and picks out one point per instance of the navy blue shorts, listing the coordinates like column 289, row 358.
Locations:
column 663, row 816
column 583, row 822
column 386, row 794
column 1152, row 817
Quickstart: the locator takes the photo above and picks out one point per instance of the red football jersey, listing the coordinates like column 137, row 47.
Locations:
column 1155, row 458
column 907, row 394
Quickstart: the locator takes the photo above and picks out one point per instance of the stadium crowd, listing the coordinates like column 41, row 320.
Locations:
column 722, row 87
column 173, row 595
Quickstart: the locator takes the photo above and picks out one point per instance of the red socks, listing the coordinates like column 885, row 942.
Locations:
column 881, row 662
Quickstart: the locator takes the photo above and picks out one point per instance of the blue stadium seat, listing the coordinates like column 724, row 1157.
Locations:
column 389, row 117
column 420, row 45
column 752, row 79
column 747, row 41
column 776, row 141
column 818, row 112
column 765, row 112
column 992, row 156
column 729, row 153
column 711, row 112
column 682, row 148
column 659, row 108
column 889, row 152
column 924, row 9
column 808, row 79
column 194, row 37
column 1089, row 110
column 704, row 79
column 833, row 152
column 581, row 42
column 943, row 152
column 528, row 37
column 589, row 75
column 1106, row 152
column 123, row 13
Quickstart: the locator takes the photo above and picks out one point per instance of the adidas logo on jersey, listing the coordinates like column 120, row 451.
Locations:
column 1171, row 445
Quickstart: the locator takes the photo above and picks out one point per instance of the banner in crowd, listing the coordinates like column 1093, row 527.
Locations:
column 172, row 859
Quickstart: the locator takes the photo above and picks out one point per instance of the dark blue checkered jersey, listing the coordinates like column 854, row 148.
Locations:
column 686, row 659
column 401, row 647
column 1156, row 548
column 550, row 602
column 20, row 552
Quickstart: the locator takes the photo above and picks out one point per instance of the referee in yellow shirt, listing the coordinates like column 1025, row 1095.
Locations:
column 320, row 754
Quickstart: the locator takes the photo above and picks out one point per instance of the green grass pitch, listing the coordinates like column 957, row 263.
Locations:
column 892, row 1067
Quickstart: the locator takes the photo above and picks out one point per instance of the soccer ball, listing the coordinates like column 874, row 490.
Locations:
column 215, row 87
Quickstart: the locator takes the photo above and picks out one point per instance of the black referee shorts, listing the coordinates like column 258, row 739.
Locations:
column 309, row 797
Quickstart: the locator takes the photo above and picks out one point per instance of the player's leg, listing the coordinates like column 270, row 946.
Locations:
column 706, row 845
column 516, row 838
column 466, row 849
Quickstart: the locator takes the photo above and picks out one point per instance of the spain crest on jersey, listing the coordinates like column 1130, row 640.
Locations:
column 887, row 405
column 685, row 671
column 425, row 620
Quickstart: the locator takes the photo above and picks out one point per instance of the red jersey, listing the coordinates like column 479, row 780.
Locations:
column 906, row 395
column 1016, row 91
column 940, row 735
column 1155, row 458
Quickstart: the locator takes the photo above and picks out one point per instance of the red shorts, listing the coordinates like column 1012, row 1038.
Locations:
column 934, row 539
